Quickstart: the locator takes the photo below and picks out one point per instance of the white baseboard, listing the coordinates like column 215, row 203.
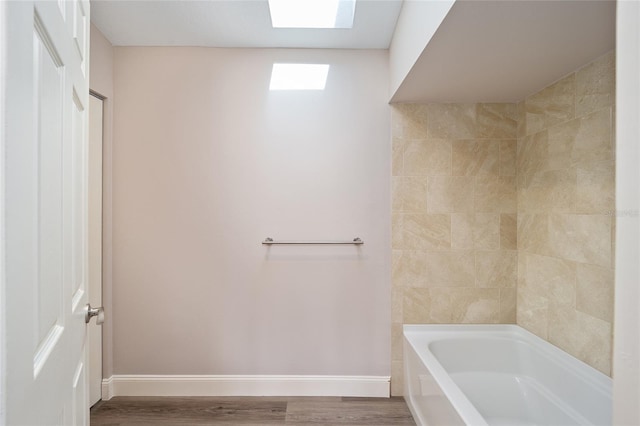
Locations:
column 205, row 385
column 107, row 389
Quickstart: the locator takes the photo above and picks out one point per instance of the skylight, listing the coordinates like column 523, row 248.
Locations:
column 312, row 13
column 298, row 76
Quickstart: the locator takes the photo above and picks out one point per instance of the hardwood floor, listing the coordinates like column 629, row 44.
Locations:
column 251, row 411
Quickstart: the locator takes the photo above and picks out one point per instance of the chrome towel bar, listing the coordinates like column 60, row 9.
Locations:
column 269, row 241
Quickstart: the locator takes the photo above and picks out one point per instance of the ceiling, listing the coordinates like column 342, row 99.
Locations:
column 235, row 23
column 505, row 50
column 483, row 51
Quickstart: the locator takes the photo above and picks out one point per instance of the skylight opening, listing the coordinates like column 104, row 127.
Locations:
column 299, row 76
column 312, row 13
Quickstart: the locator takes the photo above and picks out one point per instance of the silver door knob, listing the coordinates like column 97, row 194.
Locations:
column 94, row 312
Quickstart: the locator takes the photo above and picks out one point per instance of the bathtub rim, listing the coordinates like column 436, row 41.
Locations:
column 420, row 337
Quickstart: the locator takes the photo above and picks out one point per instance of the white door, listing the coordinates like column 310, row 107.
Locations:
column 45, row 113
column 95, row 245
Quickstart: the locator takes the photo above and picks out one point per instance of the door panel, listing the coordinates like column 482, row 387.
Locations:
column 78, row 201
column 80, row 396
column 45, row 222
column 48, row 86
column 80, row 31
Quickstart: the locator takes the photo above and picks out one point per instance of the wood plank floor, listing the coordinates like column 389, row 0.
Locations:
column 251, row 411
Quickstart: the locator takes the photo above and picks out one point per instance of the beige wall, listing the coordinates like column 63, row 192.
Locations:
column 101, row 81
column 454, row 217
column 207, row 164
column 566, row 191
column 461, row 183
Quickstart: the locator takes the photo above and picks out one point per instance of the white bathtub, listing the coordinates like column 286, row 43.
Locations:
column 498, row 375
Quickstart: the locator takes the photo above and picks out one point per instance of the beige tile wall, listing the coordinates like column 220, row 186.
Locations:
column 566, row 189
column 470, row 235
column 454, row 217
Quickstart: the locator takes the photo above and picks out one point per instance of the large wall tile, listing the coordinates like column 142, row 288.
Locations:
column 508, row 231
column 497, row 268
column 397, row 230
column 427, row 157
column 397, row 154
column 508, row 305
column 532, row 312
column 450, row 194
column 583, row 336
column 476, row 157
column 475, row 231
column 450, row 268
column 583, row 140
column 409, row 194
column 456, row 305
column 508, row 155
column 582, row 238
column 552, row 105
column 421, row 231
column 533, row 232
column 594, row 291
column 522, row 269
column 416, row 306
column 465, row 305
column 486, row 231
column 408, row 268
column 613, row 243
column 596, row 85
column 397, row 374
column 521, row 112
column 531, row 155
column 397, row 299
column 497, row 121
column 495, row 194
column 462, row 225
column 397, row 112
column 396, row 342
column 551, row 277
column 596, row 189
column 550, row 191
column 409, row 121
column 452, row 121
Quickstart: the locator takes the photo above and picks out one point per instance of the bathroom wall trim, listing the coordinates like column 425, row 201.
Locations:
column 107, row 389
column 244, row 385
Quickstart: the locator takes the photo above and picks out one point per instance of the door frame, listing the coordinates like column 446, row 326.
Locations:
column 626, row 342
column 3, row 64
column 92, row 326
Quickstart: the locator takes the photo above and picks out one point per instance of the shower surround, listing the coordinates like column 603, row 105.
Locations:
column 566, row 189
column 498, row 202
